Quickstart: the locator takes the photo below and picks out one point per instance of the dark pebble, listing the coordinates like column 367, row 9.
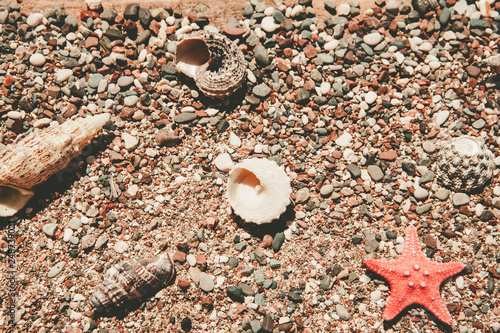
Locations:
column 186, row 324
column 278, row 240
column 235, row 293
column 131, row 12
column 185, row 117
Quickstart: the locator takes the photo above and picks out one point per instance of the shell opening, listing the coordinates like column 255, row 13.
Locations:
column 467, row 146
column 249, row 187
column 12, row 199
column 192, row 56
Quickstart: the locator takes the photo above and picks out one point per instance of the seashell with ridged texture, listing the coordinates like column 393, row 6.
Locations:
column 129, row 283
column 214, row 62
column 258, row 190
column 40, row 154
column 464, row 164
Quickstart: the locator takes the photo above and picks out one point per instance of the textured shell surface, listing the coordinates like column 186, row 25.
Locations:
column 40, row 154
column 258, row 190
column 128, row 283
column 464, row 164
column 216, row 64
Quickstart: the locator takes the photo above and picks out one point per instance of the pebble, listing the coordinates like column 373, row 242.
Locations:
column 235, row 293
column 302, row 195
column 278, row 240
column 429, row 147
column 88, row 241
column 34, row 19
column 56, row 269
column 326, row 190
column 75, row 223
column 441, row 117
column 130, row 142
column 460, row 199
column 371, row 97
column 120, row 246
column 268, row 24
column 342, row 312
column 206, row 282
column 344, row 140
column 223, row 162
column 37, row 59
column 420, row 193
column 373, row 38
column 442, row 194
column 64, row 74
column 50, row 229
column 375, row 172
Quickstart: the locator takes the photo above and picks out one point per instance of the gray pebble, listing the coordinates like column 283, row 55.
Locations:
column 375, row 172
column 423, row 209
column 56, row 269
column 342, row 312
column 50, row 229
column 278, row 240
column 75, row 223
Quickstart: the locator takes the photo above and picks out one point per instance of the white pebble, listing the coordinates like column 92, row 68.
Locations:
column 37, row 59
column 268, row 24
column 344, row 140
column 344, row 9
column 34, row 19
column 223, row 162
column 63, row 74
column 371, row 97
column 441, row 117
column 120, row 246
column 372, row 39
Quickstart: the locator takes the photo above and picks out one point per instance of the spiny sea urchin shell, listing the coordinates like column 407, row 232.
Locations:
column 214, row 62
column 129, row 283
column 258, row 190
column 464, row 164
column 34, row 158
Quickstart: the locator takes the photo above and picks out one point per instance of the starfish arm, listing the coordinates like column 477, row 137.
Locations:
column 435, row 304
column 384, row 268
column 445, row 270
column 396, row 303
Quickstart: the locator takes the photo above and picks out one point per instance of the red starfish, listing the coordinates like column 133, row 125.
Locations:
column 414, row 279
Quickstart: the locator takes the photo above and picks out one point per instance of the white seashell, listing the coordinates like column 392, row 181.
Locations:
column 129, row 283
column 34, row 158
column 258, row 190
column 214, row 62
column 464, row 164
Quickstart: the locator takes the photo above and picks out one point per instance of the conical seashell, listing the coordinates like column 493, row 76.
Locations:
column 464, row 164
column 129, row 283
column 494, row 62
column 258, row 190
column 34, row 158
column 214, row 62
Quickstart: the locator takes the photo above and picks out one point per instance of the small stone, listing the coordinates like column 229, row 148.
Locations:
column 64, row 74
column 37, row 59
column 442, row 194
column 262, row 90
column 50, row 229
column 344, row 140
column 371, row 97
column 326, row 190
column 375, row 172
column 75, row 223
column 389, row 155
column 131, row 12
column 125, row 81
column 427, row 177
column 223, row 162
column 120, row 246
column 235, row 293
column 302, row 195
column 354, row 170
column 278, row 240
column 420, row 193
column 325, row 283
column 268, row 24
column 344, row 9
column 302, row 96
column 423, row 209
column 165, row 138
column 185, row 117
column 330, row 7
column 88, row 241
column 34, row 19
column 429, row 147
column 186, row 324
column 206, row 282
column 56, row 269
column 261, row 56
column 94, row 80
column 460, row 199
column 130, row 142
column 342, row 312
column 373, row 39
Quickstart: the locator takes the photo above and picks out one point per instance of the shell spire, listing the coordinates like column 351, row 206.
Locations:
column 215, row 63
column 35, row 158
column 258, row 190
column 129, row 283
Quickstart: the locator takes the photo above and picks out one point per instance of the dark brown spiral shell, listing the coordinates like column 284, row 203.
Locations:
column 129, row 283
column 214, row 62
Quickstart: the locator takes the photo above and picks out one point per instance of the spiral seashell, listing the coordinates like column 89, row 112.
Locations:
column 34, row 158
column 129, row 283
column 494, row 62
column 258, row 190
column 214, row 62
column 464, row 164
